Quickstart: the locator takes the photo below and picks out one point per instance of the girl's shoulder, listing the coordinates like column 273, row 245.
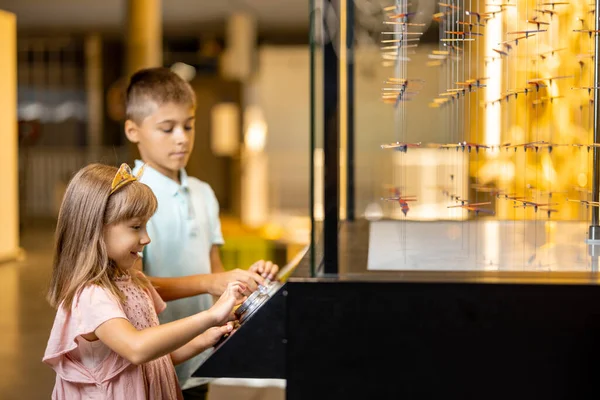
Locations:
column 93, row 294
column 92, row 306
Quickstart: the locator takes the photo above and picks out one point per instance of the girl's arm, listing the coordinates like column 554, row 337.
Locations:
column 139, row 347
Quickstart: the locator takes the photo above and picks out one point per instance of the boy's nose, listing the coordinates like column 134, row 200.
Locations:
column 181, row 137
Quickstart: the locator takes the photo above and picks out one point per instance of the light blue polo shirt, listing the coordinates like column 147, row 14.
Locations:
column 182, row 231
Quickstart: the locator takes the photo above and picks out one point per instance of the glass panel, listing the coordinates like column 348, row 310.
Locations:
column 316, row 132
column 485, row 117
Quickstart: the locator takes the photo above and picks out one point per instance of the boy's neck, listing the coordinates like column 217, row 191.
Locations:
column 173, row 175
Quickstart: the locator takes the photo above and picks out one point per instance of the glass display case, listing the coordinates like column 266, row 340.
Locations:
column 418, row 221
column 432, row 136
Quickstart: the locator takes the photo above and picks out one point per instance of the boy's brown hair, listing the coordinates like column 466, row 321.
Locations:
column 154, row 87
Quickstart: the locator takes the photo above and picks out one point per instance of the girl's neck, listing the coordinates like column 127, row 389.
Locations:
column 117, row 273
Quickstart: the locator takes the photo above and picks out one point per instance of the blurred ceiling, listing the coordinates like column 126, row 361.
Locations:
column 197, row 15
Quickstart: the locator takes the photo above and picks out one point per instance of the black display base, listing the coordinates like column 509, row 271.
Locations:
column 421, row 334
column 350, row 340
column 256, row 349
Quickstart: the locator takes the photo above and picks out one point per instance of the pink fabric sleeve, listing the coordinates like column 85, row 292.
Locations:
column 95, row 306
column 91, row 308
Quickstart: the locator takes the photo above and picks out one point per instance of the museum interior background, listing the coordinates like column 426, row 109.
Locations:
column 497, row 108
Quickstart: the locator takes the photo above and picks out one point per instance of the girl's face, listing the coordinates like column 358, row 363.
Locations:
column 124, row 240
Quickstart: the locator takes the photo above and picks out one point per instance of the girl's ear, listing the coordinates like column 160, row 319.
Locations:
column 132, row 131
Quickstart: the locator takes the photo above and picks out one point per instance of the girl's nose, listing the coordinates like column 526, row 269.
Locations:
column 145, row 239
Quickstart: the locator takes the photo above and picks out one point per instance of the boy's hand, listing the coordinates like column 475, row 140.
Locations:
column 220, row 280
column 266, row 269
column 222, row 310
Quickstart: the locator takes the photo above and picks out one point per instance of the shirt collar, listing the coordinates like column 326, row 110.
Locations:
column 158, row 180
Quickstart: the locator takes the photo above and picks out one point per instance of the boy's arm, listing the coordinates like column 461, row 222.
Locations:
column 214, row 283
column 266, row 269
column 193, row 285
column 181, row 287
column 216, row 265
column 177, row 288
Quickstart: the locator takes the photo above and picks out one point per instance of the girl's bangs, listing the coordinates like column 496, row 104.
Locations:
column 134, row 200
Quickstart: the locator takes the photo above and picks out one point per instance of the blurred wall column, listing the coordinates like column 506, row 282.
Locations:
column 144, row 34
column 255, row 166
column 144, row 39
column 240, row 47
column 9, row 195
column 95, row 92
column 239, row 63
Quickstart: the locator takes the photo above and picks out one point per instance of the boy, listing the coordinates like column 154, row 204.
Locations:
column 185, row 231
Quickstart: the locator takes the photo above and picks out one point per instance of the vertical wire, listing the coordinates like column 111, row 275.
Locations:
column 537, row 153
column 405, row 115
column 516, row 121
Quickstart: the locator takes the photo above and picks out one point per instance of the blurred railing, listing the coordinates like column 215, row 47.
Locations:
column 45, row 172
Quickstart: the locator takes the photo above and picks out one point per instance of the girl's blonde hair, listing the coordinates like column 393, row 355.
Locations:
column 80, row 256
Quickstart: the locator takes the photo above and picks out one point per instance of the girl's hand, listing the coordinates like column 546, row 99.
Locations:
column 222, row 310
column 213, row 335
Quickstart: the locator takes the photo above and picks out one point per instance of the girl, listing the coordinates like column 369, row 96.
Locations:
column 106, row 342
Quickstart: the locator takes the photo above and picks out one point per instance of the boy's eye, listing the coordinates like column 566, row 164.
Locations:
column 188, row 128
column 136, row 227
column 167, row 130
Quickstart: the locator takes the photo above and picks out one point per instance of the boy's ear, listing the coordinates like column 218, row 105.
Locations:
column 132, row 131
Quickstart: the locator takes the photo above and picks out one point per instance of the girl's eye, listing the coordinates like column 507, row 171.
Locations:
column 188, row 128
column 167, row 130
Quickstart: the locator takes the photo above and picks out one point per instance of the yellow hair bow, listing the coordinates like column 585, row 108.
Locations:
column 124, row 176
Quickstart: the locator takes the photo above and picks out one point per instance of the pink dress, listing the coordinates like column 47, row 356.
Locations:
column 90, row 370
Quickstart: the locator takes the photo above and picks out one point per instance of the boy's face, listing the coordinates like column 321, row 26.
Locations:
column 165, row 138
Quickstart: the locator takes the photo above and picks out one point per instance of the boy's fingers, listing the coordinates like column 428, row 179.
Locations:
column 271, row 271
column 269, row 267
column 255, row 278
column 258, row 267
column 248, row 279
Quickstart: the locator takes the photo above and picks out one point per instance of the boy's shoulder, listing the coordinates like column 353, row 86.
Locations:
column 196, row 185
column 160, row 184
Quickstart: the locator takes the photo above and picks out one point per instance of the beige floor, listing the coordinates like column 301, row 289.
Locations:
column 26, row 319
column 221, row 390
